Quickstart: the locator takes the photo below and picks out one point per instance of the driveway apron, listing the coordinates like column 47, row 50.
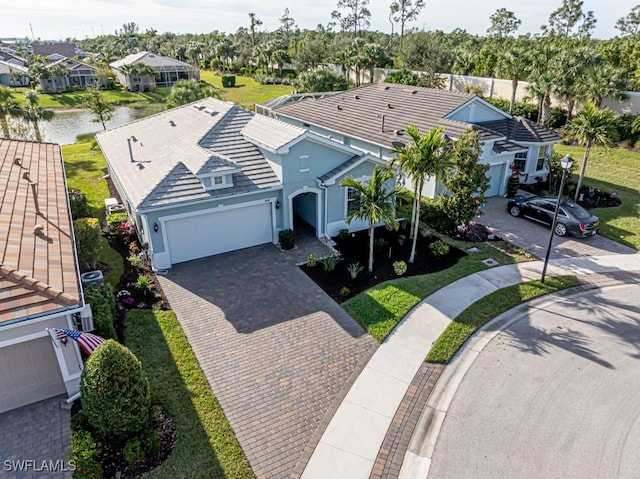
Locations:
column 278, row 352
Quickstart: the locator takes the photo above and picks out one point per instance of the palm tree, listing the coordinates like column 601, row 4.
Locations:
column 592, row 126
column 34, row 113
column 512, row 64
column 8, row 107
column 376, row 203
column 187, row 91
column 427, row 157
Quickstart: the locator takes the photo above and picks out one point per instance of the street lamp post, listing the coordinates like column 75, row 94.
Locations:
column 565, row 163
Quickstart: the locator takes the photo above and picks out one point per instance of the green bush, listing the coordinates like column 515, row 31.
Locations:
column 312, row 260
column 79, row 205
column 354, row 270
column 330, row 262
column 115, row 391
column 344, row 291
column 400, row 267
column 84, row 455
column 380, row 244
column 142, row 446
column 103, row 307
column 87, row 233
column 287, row 239
column 439, row 248
column 228, row 81
column 114, row 220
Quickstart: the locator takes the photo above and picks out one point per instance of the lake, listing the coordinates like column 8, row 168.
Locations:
column 67, row 125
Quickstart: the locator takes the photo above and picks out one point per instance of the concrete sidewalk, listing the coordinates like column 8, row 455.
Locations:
column 351, row 442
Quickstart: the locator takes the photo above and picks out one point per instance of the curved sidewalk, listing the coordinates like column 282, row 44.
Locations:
column 351, row 442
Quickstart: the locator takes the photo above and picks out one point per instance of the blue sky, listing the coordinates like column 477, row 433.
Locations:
column 88, row 18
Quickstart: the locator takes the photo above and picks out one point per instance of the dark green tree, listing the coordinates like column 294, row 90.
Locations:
column 97, row 103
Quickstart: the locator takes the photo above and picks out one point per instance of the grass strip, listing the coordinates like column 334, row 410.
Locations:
column 487, row 308
column 206, row 445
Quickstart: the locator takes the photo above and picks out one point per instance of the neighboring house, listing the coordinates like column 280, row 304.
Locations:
column 57, row 51
column 211, row 177
column 39, row 278
column 373, row 117
column 12, row 74
column 166, row 70
column 77, row 75
column 9, row 57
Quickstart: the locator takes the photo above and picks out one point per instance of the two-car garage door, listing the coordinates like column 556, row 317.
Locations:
column 214, row 232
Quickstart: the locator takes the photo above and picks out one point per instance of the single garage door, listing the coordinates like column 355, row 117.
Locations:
column 217, row 232
column 494, row 173
column 29, row 372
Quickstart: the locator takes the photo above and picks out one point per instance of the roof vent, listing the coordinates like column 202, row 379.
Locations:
column 172, row 123
column 38, row 230
column 338, row 107
column 410, row 91
column 398, row 132
column 17, row 161
column 26, row 176
column 389, row 106
column 199, row 106
column 356, row 97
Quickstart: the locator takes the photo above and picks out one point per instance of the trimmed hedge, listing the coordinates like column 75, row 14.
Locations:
column 87, row 232
column 103, row 307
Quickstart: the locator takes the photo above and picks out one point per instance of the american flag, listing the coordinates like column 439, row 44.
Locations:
column 87, row 341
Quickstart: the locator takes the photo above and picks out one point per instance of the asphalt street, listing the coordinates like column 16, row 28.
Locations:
column 555, row 395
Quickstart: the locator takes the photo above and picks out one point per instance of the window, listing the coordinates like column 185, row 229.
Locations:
column 218, row 180
column 520, row 161
column 542, row 155
column 352, row 200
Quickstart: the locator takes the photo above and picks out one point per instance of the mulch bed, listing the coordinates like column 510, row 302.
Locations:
column 354, row 248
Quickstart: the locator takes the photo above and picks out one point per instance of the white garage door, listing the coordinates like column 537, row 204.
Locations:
column 29, row 372
column 218, row 232
column 494, row 173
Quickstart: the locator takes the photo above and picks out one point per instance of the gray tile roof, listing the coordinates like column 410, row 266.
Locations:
column 502, row 146
column 362, row 112
column 270, row 133
column 518, row 129
column 153, row 60
column 159, row 168
column 338, row 170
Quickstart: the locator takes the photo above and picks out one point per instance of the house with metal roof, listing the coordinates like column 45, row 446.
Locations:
column 374, row 117
column 167, row 71
column 211, row 177
column 40, row 284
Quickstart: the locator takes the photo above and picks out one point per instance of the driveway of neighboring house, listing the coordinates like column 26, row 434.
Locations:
column 534, row 237
column 34, row 441
column 278, row 352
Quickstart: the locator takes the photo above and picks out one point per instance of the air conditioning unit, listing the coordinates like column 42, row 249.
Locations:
column 84, row 320
column 92, row 277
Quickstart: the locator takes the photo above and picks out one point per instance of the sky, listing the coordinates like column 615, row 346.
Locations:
column 89, row 18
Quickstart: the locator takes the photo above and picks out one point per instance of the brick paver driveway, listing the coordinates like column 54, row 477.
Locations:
column 277, row 351
column 534, row 237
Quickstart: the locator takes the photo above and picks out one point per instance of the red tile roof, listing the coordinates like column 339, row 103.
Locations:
column 38, row 270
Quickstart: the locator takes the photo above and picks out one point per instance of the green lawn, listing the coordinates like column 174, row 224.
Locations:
column 487, row 308
column 616, row 169
column 206, row 446
column 379, row 309
column 247, row 91
column 74, row 99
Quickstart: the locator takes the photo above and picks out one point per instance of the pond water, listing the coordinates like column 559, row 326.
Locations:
column 67, row 125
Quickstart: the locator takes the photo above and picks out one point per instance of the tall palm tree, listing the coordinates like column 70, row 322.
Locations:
column 8, row 107
column 512, row 64
column 34, row 113
column 427, row 157
column 376, row 203
column 592, row 126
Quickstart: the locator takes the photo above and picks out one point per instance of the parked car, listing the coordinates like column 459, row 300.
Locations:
column 572, row 218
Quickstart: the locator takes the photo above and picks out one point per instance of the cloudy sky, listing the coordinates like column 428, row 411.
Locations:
column 88, row 18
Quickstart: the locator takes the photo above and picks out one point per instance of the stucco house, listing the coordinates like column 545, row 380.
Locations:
column 166, row 70
column 39, row 280
column 211, row 177
column 373, row 117
column 12, row 74
column 77, row 75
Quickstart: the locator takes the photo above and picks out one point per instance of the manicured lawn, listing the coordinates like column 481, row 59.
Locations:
column 206, row 446
column 487, row 308
column 379, row 309
column 616, row 169
column 247, row 91
column 74, row 99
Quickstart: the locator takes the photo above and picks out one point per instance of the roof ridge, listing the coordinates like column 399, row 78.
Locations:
column 18, row 277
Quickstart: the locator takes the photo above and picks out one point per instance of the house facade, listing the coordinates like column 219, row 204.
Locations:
column 12, row 74
column 77, row 75
column 167, row 71
column 211, row 177
column 373, row 118
column 39, row 278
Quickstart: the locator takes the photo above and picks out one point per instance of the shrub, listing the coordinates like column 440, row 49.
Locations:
column 134, row 260
column 513, row 185
column 476, row 232
column 380, row 245
column 84, row 455
column 400, row 267
column 142, row 446
column 103, row 307
column 354, row 270
column 330, row 262
column 79, row 205
column 87, row 233
column 115, row 391
column 401, row 239
column 312, row 260
column 114, row 220
column 344, row 234
column 228, row 81
column 287, row 239
column 144, row 282
column 439, row 248
column 344, row 291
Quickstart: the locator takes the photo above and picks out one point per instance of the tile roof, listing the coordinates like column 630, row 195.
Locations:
column 502, row 146
column 520, row 129
column 159, row 168
column 65, row 49
column 270, row 133
column 72, row 64
column 341, row 168
column 6, row 67
column 153, row 60
column 378, row 112
column 38, row 272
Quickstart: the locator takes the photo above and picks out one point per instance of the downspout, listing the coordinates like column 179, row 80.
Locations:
column 325, row 212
